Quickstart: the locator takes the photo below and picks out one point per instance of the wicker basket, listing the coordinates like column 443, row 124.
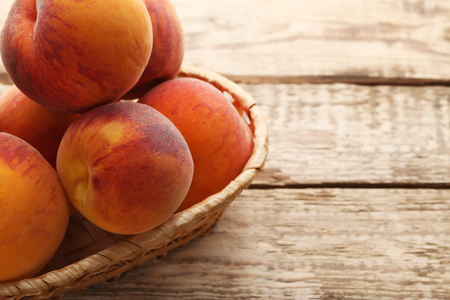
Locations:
column 89, row 255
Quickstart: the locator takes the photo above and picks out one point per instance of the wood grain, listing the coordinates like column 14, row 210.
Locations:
column 319, row 41
column 342, row 134
column 307, row 244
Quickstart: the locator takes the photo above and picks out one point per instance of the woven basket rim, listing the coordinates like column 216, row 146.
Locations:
column 72, row 274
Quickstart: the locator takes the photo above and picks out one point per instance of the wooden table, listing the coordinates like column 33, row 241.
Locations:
column 354, row 199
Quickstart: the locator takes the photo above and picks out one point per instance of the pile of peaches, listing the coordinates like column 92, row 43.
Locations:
column 98, row 122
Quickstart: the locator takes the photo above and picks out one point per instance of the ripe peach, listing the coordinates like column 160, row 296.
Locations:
column 168, row 47
column 39, row 126
column 219, row 139
column 71, row 56
column 34, row 208
column 125, row 167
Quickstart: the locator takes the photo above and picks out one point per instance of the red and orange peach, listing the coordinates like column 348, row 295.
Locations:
column 71, row 56
column 39, row 126
column 168, row 47
column 219, row 139
column 125, row 167
column 34, row 209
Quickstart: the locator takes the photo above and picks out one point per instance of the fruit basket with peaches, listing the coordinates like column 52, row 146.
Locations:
column 113, row 152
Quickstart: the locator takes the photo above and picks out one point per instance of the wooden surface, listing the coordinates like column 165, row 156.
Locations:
column 319, row 41
column 353, row 202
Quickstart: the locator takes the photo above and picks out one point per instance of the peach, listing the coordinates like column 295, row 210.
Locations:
column 34, row 207
column 125, row 167
column 168, row 47
column 219, row 139
column 39, row 126
column 71, row 56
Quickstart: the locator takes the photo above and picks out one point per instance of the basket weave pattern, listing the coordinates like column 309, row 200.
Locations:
column 89, row 255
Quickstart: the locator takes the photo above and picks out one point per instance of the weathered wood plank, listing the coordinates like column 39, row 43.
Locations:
column 307, row 244
column 323, row 40
column 375, row 41
column 354, row 135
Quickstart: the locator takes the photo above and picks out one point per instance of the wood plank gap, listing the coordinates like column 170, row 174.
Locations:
column 286, row 79
column 352, row 185
column 360, row 80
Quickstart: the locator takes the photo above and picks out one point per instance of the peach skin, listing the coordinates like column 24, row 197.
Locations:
column 125, row 167
column 39, row 126
column 34, row 207
column 71, row 56
column 219, row 139
column 168, row 48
